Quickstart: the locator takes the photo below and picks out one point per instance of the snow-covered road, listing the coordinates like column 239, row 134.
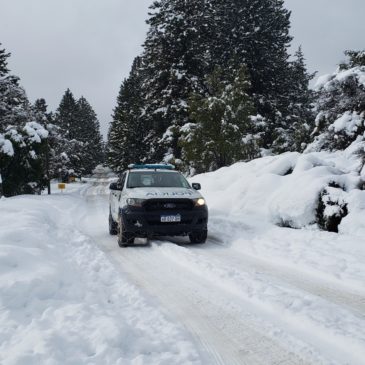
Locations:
column 253, row 294
column 240, row 308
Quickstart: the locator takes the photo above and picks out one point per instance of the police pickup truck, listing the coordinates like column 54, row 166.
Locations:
column 156, row 200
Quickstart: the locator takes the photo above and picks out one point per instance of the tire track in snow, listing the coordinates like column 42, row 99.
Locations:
column 332, row 292
column 225, row 331
column 264, row 290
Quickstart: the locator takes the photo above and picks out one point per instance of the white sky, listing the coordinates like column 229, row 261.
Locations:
column 89, row 45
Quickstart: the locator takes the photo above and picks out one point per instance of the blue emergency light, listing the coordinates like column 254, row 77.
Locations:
column 152, row 166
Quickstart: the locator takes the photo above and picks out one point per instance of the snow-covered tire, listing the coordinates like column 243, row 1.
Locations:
column 113, row 226
column 198, row 237
column 124, row 238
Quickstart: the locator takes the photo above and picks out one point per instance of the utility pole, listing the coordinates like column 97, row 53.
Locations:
column 47, row 168
column 1, row 186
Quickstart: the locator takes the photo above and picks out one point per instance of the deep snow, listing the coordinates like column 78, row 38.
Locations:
column 255, row 293
column 62, row 302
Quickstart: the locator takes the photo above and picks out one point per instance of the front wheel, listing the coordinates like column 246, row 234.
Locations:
column 124, row 238
column 198, row 236
column 113, row 226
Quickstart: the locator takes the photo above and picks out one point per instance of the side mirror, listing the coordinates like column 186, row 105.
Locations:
column 114, row 186
column 196, row 186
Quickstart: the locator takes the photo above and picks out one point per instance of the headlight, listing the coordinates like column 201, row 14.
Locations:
column 199, row 202
column 134, row 202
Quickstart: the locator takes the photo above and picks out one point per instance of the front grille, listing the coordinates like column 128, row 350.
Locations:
column 168, row 205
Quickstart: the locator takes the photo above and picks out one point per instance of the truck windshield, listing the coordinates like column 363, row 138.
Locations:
column 156, row 179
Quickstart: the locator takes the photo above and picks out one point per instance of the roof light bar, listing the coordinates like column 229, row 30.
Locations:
column 152, row 166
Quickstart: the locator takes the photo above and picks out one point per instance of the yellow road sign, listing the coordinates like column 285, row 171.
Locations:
column 61, row 186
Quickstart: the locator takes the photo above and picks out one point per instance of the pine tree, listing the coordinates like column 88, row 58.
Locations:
column 66, row 115
column 58, row 147
column 14, row 104
column 23, row 171
column 188, row 39
column 341, row 105
column 22, row 156
column 70, row 150
column 80, row 147
column 88, row 133
column 175, row 57
column 355, row 59
column 127, row 137
column 41, row 114
column 223, row 128
column 22, row 139
column 256, row 33
column 3, row 62
column 293, row 131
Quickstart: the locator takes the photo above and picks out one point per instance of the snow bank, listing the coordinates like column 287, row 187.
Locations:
column 251, row 204
column 62, row 302
column 285, row 189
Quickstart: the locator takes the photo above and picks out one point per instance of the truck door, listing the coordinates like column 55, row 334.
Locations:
column 116, row 196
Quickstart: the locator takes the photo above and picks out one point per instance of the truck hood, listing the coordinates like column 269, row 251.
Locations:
column 158, row 193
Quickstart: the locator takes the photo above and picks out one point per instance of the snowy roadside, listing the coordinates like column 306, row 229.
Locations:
column 62, row 302
column 249, row 201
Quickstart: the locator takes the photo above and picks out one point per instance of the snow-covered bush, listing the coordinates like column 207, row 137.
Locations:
column 22, row 159
column 332, row 207
column 341, row 106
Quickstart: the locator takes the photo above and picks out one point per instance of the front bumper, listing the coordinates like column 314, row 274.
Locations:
column 146, row 224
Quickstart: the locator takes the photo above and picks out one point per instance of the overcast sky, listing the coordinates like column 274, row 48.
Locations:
column 89, row 45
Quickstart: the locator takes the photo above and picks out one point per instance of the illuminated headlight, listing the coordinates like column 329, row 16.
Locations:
column 199, row 202
column 134, row 202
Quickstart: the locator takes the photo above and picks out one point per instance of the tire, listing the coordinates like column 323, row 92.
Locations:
column 113, row 226
column 124, row 238
column 198, row 236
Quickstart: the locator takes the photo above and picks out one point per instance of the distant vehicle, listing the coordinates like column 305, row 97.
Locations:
column 156, row 200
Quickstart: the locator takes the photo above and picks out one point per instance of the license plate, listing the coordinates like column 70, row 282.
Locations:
column 170, row 218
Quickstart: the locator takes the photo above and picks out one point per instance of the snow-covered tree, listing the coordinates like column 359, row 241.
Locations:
column 66, row 115
column 127, row 137
column 341, row 105
column 69, row 152
column 58, row 147
column 176, row 58
column 22, row 159
column 89, row 135
column 293, row 129
column 223, row 126
column 40, row 110
column 22, row 138
column 188, row 39
column 3, row 62
column 256, row 33
column 14, row 105
column 63, row 145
